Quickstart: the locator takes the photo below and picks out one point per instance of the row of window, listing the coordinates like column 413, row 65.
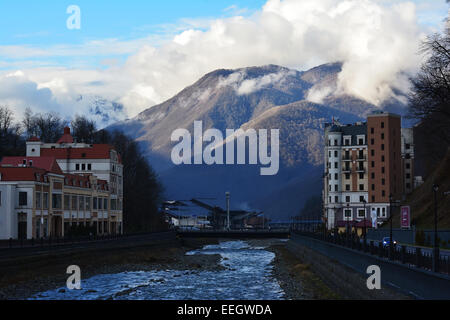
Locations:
column 347, row 187
column 346, row 175
column 347, row 199
column 361, row 213
column 71, row 202
column 83, row 167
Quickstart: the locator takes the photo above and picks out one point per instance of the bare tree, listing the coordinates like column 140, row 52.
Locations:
column 83, row 129
column 431, row 88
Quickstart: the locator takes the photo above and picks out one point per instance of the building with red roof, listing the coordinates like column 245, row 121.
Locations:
column 60, row 187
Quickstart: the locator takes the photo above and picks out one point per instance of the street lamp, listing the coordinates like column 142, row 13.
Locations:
column 227, row 194
column 436, row 243
column 390, row 228
column 365, row 231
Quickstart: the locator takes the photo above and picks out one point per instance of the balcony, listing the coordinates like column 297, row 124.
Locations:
column 360, row 170
column 345, row 158
column 363, row 158
column 346, row 170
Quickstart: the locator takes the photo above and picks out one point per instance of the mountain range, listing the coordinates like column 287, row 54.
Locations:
column 298, row 103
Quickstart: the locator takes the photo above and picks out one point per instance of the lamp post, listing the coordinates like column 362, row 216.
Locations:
column 390, row 227
column 365, row 230
column 227, row 194
column 346, row 218
column 436, row 242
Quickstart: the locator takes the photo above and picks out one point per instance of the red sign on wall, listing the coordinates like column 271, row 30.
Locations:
column 405, row 217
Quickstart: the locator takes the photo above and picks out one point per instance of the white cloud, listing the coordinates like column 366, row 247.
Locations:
column 376, row 40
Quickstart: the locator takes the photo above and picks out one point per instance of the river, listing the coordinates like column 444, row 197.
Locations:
column 246, row 276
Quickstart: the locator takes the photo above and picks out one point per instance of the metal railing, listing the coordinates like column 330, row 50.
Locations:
column 407, row 255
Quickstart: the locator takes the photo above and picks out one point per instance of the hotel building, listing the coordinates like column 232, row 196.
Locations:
column 365, row 163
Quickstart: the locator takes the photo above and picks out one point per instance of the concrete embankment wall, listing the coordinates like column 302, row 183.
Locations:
column 341, row 279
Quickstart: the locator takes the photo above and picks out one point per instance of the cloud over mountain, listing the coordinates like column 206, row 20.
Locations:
column 377, row 42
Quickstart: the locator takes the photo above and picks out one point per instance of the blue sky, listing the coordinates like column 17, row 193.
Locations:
column 44, row 22
column 140, row 53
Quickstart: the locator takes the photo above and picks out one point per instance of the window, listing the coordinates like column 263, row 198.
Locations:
column 407, row 146
column 38, row 200
column 336, row 199
column 347, row 199
column 45, row 206
column 347, row 176
column 336, row 176
column 347, row 187
column 373, row 187
column 383, row 170
column 382, row 136
column 373, row 175
column 372, row 130
column 336, row 188
column 373, row 164
column 361, row 187
column 56, row 201
column 335, row 142
column 408, row 176
column 88, row 203
column 361, row 213
column 382, row 147
column 329, row 199
column 89, row 166
column 66, row 202
column 335, row 165
column 408, row 166
column 361, row 198
column 361, row 141
column 105, row 204
column 383, row 181
column 382, row 124
column 372, row 152
column 23, row 199
column 408, row 185
column 383, row 193
column 100, row 203
column 74, row 202
column 348, row 214
column 81, row 203
column 361, row 175
column 77, row 167
column 329, row 154
column 373, row 198
column 83, row 167
column 382, row 158
column 94, row 203
column 329, row 189
column 372, row 141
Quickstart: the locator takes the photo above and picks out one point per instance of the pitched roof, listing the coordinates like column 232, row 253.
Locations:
column 47, row 163
column 97, row 151
column 20, row 174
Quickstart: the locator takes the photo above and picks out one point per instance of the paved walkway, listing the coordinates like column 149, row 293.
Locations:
column 419, row 284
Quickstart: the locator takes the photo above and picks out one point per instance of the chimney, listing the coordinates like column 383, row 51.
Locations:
column 66, row 130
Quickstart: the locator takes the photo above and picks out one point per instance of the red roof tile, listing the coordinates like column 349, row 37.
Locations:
column 46, row 163
column 97, row 151
column 20, row 174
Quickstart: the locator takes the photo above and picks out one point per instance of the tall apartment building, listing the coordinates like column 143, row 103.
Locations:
column 41, row 196
column 364, row 165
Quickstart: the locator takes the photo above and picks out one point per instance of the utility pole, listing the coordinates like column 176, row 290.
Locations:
column 391, row 245
column 227, row 194
column 436, row 242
